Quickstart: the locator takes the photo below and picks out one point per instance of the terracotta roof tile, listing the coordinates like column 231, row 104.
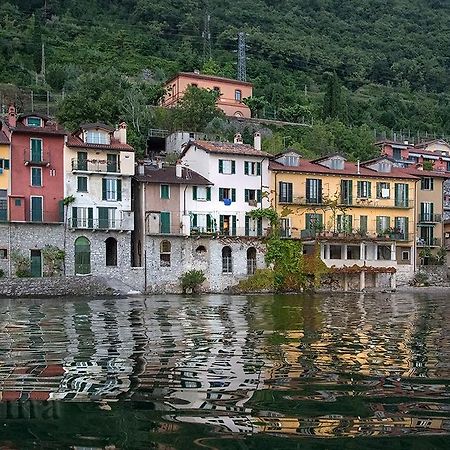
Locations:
column 167, row 175
column 227, row 148
column 76, row 142
column 3, row 138
column 350, row 169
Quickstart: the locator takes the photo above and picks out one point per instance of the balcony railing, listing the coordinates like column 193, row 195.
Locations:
column 355, row 235
column 429, row 242
column 95, row 165
column 36, row 158
column 95, row 224
column 430, row 218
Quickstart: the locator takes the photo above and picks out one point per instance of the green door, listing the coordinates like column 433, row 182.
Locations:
column 36, row 150
column 82, row 160
column 36, row 263
column 164, row 223
column 36, row 209
column 82, row 255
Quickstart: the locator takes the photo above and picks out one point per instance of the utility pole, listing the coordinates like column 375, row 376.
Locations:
column 206, row 35
column 242, row 59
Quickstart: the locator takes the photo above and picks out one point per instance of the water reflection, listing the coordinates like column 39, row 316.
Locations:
column 294, row 365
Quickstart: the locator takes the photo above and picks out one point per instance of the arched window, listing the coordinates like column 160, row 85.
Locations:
column 238, row 114
column 200, row 250
column 82, row 255
column 165, row 249
column 251, row 260
column 111, row 251
column 227, row 260
column 238, row 95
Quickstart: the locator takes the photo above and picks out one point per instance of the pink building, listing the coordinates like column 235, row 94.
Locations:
column 232, row 92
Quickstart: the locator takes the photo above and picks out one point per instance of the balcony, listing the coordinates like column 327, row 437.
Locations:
column 40, row 159
column 429, row 242
column 355, row 235
column 95, row 165
column 430, row 218
column 95, row 224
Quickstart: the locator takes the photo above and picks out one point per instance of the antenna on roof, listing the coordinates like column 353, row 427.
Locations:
column 206, row 35
column 242, row 59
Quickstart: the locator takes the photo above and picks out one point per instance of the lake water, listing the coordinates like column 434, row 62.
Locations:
column 226, row 372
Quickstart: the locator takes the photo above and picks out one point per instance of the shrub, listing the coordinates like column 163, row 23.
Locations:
column 2, row 273
column 261, row 281
column 191, row 280
column 22, row 265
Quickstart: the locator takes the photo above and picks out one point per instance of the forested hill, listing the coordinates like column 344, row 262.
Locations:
column 391, row 56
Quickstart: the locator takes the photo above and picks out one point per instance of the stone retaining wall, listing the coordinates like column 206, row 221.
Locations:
column 87, row 286
column 437, row 275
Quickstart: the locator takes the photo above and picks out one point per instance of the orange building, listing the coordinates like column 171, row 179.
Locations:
column 232, row 92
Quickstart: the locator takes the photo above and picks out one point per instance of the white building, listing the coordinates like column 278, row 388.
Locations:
column 240, row 177
column 99, row 165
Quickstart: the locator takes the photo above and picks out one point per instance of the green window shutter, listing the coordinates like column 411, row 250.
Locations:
column 221, row 224
column 233, row 194
column 208, row 193
column 319, row 189
column 378, row 190
column 103, row 222
column 74, row 216
column 36, row 150
column 406, row 227
column 246, row 195
column 233, row 225
column 104, row 189
column 260, row 227
column 406, row 191
column 363, row 224
column 259, row 195
column 233, row 166
column 358, row 189
column 245, row 167
column 82, row 184
column 308, row 221
column 164, row 222
column 258, row 168
column 220, row 166
column 6, row 164
column 90, row 217
column 164, row 191
column 369, row 189
column 208, row 223
column 247, row 225
column 378, row 224
column 194, row 220
column 119, row 190
column 220, row 194
column 339, row 222
column 432, row 184
column 194, row 192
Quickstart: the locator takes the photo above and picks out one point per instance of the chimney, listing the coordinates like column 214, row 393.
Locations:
column 12, row 117
column 141, row 169
column 121, row 133
column 238, row 138
column 178, row 169
column 358, row 171
column 257, row 140
column 406, row 142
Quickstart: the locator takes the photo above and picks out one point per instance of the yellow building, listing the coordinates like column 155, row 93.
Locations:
column 4, row 175
column 363, row 215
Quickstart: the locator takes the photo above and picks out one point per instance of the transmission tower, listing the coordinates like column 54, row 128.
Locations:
column 242, row 63
column 206, row 35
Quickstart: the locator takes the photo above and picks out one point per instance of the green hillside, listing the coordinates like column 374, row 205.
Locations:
column 391, row 56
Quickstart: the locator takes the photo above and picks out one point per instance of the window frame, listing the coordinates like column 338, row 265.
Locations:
column 82, row 177
column 34, row 125
column 36, row 170
column 164, row 191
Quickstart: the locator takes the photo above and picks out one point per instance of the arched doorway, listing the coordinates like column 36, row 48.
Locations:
column 251, row 260
column 82, row 255
column 111, row 251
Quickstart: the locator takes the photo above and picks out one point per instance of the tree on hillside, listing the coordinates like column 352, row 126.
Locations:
column 332, row 101
column 196, row 109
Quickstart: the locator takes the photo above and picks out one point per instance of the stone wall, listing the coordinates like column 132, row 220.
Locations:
column 437, row 275
column 404, row 274
column 89, row 286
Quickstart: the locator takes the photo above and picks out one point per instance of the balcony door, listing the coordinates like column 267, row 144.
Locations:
column 36, row 209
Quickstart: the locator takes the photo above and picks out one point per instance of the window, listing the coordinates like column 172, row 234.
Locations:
column 285, row 227
column 384, row 166
column 384, row 252
column 397, row 154
column 202, row 223
column 97, row 137
column 82, row 255
column 252, row 168
column 291, row 160
column 335, row 252
column 383, row 190
column 353, row 252
column 401, row 228
column 285, row 195
column 401, row 195
column 313, row 221
column 363, row 224
column 52, row 172
column 191, row 135
column 3, row 253
column 165, row 191
column 4, row 164
column 227, row 225
column 200, row 250
column 337, row 163
column 36, row 176
column 227, row 167
column 112, row 163
column 17, row 202
column 111, row 189
column 238, row 95
column 251, row 260
column 201, row 193
column 313, row 191
column 111, row 251
column 346, row 192
column 383, row 224
column 34, row 121
column 227, row 261
column 36, row 150
column 81, row 162
column 405, row 255
column 164, row 223
column 106, row 218
column 3, row 205
column 344, row 223
column 426, row 212
column 165, row 249
column 253, row 227
column 426, row 184
column 82, row 217
column 364, row 189
column 227, row 194
column 252, row 196
column 82, row 184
